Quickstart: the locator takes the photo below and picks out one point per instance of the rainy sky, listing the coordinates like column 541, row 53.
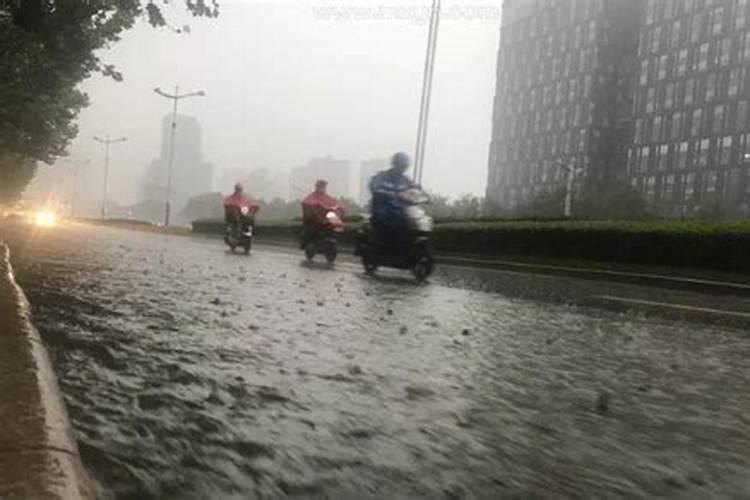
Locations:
column 290, row 80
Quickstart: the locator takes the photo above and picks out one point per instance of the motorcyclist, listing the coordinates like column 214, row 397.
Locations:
column 390, row 197
column 233, row 205
column 315, row 207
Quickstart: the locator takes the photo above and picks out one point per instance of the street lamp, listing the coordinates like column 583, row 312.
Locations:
column 424, row 110
column 572, row 171
column 176, row 97
column 107, row 141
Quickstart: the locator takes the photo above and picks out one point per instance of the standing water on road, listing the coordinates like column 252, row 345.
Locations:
column 193, row 373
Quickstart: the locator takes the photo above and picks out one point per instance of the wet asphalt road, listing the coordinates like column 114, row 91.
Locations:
column 191, row 373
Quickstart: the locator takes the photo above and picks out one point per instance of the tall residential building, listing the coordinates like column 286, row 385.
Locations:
column 191, row 174
column 367, row 169
column 692, row 129
column 564, row 96
column 655, row 92
column 336, row 172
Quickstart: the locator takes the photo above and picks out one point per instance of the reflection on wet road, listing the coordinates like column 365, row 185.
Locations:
column 193, row 373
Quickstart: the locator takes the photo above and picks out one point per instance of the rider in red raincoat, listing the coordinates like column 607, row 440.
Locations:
column 314, row 209
column 233, row 205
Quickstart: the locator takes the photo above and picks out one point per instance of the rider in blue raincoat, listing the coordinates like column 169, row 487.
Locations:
column 389, row 200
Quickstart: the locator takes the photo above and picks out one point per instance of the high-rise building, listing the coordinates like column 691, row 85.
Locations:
column 336, row 172
column 691, row 129
column 564, row 98
column 367, row 169
column 653, row 92
column 191, row 174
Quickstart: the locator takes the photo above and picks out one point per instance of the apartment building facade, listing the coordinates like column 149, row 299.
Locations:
column 654, row 92
column 564, row 95
column 691, row 135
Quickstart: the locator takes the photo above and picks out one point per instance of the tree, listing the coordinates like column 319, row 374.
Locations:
column 47, row 47
column 611, row 199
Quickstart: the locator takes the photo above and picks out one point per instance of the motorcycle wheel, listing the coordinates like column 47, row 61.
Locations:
column 310, row 251
column 331, row 255
column 248, row 246
column 424, row 264
column 369, row 263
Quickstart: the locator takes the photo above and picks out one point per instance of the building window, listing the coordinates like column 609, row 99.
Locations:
column 741, row 15
column 734, row 82
column 702, row 153
column 741, row 123
column 717, row 21
column 662, row 67
column 682, row 62
column 711, row 87
column 643, row 164
column 677, row 125
column 695, row 129
column 690, row 181
column 726, row 51
column 656, row 131
column 663, row 159
column 703, row 57
column 689, row 91
column 650, row 100
column 726, row 151
column 682, row 156
column 712, row 180
column 669, row 95
column 719, row 116
column 668, row 188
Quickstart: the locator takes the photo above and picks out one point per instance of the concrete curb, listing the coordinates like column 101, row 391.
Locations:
column 38, row 452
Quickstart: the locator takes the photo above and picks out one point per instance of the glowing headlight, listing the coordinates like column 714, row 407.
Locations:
column 45, row 219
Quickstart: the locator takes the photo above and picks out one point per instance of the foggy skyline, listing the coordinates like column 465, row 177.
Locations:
column 284, row 85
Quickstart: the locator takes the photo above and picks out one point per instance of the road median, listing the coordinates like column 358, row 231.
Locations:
column 38, row 452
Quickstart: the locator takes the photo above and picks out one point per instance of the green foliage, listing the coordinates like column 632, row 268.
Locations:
column 15, row 173
column 546, row 205
column 48, row 47
column 712, row 210
column 204, row 206
column 612, row 200
column 687, row 244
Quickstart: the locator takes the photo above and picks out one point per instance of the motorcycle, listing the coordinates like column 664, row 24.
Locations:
column 240, row 228
column 412, row 252
column 323, row 238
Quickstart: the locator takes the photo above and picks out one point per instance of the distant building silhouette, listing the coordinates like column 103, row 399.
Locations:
column 191, row 174
column 336, row 172
column 367, row 169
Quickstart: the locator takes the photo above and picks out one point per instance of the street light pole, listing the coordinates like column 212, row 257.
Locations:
column 107, row 141
column 424, row 110
column 176, row 97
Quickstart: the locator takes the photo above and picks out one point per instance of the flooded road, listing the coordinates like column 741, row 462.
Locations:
column 191, row 373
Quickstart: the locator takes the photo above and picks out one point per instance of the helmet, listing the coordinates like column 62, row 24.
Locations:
column 238, row 187
column 400, row 161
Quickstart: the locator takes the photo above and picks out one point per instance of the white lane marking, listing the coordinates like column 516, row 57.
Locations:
column 669, row 305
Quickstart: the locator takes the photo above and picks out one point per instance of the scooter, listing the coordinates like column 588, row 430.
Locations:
column 324, row 238
column 413, row 252
column 239, row 232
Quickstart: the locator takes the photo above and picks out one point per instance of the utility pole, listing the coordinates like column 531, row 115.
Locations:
column 572, row 172
column 107, row 141
column 176, row 97
column 424, row 110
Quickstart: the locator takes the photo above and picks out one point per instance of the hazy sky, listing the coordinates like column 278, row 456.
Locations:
column 290, row 80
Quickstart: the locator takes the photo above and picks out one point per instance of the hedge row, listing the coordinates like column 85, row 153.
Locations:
column 720, row 246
